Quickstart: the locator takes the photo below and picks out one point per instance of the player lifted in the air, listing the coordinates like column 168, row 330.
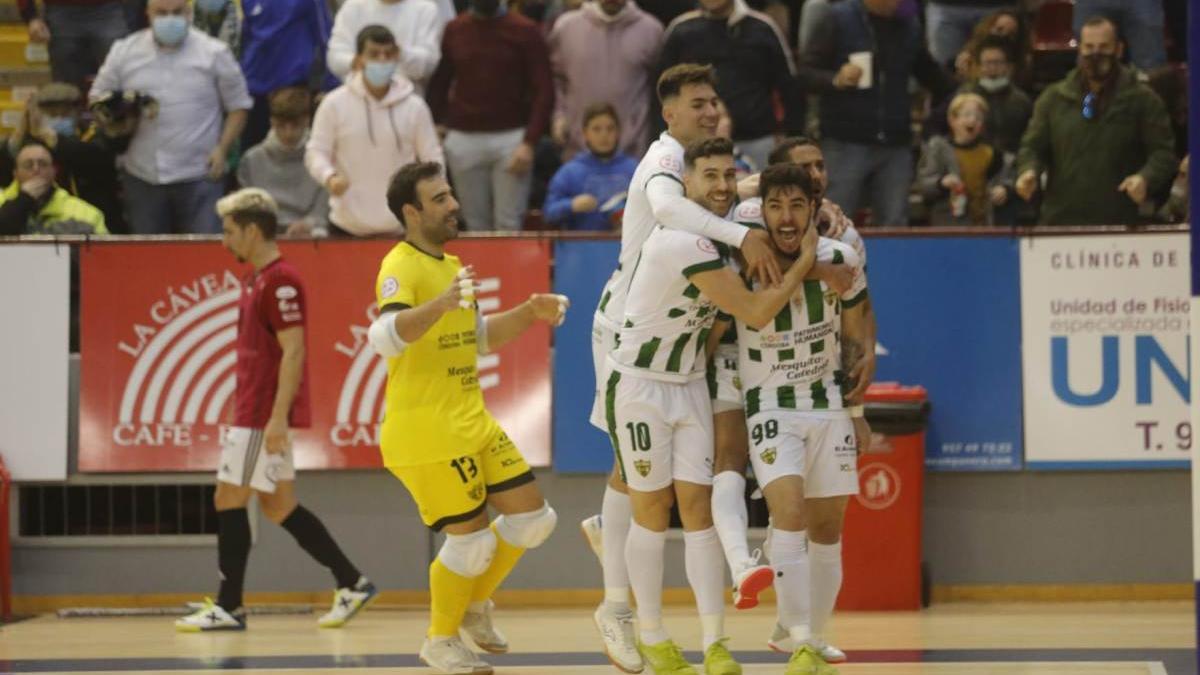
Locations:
column 658, row 409
column 437, row 437
column 656, row 197
column 798, row 406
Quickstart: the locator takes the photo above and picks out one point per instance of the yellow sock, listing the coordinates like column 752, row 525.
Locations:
column 450, row 594
column 503, row 562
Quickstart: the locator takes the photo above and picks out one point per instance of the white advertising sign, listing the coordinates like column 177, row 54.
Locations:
column 1104, row 323
column 35, row 306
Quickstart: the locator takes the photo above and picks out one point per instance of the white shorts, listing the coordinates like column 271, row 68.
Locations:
column 727, row 390
column 821, row 449
column 603, row 342
column 246, row 462
column 661, row 431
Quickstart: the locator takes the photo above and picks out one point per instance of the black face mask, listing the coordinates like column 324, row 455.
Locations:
column 1097, row 67
column 485, row 7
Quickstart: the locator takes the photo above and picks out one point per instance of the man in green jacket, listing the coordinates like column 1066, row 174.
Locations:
column 34, row 204
column 1103, row 139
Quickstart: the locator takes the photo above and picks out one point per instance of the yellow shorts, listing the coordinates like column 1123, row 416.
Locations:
column 456, row 490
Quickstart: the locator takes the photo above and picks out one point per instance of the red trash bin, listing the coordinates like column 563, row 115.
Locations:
column 881, row 542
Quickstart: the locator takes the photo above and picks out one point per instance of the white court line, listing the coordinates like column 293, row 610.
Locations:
column 1156, row 668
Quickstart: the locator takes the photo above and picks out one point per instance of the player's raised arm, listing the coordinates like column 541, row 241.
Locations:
column 501, row 329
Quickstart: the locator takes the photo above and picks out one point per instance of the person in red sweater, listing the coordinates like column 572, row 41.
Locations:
column 79, row 33
column 494, row 93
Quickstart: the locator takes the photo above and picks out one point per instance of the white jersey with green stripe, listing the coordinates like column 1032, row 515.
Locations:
column 667, row 320
column 793, row 363
column 657, row 179
column 749, row 213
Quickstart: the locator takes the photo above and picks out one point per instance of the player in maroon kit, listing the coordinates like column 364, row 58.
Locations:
column 271, row 398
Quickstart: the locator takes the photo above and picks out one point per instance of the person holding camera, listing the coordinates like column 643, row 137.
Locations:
column 176, row 163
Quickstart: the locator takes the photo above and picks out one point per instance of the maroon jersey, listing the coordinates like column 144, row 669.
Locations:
column 272, row 300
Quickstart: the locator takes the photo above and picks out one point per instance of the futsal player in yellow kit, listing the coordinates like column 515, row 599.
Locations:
column 437, row 436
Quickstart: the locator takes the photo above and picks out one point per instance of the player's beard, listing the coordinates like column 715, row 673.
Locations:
column 450, row 227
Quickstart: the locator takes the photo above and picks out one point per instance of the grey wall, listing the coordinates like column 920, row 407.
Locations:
column 1021, row 528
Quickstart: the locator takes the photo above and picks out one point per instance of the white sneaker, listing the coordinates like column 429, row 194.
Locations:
column 620, row 642
column 592, row 528
column 347, row 602
column 478, row 626
column 752, row 579
column 781, row 641
column 451, row 656
column 211, row 616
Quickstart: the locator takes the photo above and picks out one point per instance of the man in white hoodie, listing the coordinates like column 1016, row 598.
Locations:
column 364, row 130
column 417, row 25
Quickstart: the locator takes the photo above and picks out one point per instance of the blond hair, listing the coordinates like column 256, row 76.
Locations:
column 251, row 206
column 962, row 100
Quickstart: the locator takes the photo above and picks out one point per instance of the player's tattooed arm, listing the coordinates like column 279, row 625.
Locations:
column 838, row 277
column 855, row 355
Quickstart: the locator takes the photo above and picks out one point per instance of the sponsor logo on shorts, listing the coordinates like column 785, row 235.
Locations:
column 476, row 492
column 642, row 466
column 768, row 455
column 878, row 486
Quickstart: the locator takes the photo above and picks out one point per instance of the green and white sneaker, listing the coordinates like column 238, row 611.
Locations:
column 718, row 660
column 666, row 658
column 212, row 616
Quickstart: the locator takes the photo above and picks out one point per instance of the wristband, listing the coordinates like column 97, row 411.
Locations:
column 855, row 410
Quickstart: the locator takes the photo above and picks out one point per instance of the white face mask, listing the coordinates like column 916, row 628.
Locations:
column 993, row 84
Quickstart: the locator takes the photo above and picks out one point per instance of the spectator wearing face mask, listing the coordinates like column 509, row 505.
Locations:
column 961, row 175
column 1102, row 139
column 35, row 204
column 1009, row 108
column 588, row 192
column 415, row 23
column 364, row 130
column 277, row 166
column 176, row 161
column 494, row 91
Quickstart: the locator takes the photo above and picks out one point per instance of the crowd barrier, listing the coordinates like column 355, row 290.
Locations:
column 1045, row 349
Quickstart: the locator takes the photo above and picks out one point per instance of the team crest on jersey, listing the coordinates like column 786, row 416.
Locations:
column 831, row 297
column 642, row 466
column 737, row 383
column 749, row 211
column 706, row 245
column 476, row 492
column 768, row 455
column 389, row 287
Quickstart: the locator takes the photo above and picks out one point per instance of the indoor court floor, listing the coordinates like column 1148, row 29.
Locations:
column 1004, row 639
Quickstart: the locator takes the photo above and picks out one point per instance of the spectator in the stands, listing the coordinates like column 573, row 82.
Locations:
column 741, row 161
column 220, row 19
column 1102, row 139
column 35, row 204
column 86, row 156
column 949, row 24
column 363, row 131
column 1009, row 108
column 176, row 163
column 79, row 33
column 494, row 92
column 606, row 50
column 277, row 166
column 865, row 116
column 415, row 23
column 1139, row 23
column 961, row 175
column 588, row 192
column 753, row 66
column 283, row 45
column 1007, row 26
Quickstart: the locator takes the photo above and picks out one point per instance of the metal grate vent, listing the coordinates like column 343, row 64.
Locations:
column 62, row 511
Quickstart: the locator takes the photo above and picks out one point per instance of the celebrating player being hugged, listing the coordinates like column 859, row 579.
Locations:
column 271, row 397
column 437, row 437
column 799, row 404
column 658, row 408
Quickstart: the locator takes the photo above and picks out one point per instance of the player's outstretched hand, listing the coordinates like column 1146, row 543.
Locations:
column 862, row 374
column 460, row 294
column 760, row 258
column 550, row 307
column 275, row 436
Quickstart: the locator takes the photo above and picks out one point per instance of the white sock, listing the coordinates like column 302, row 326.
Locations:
column 644, row 555
column 730, row 517
column 789, row 558
column 826, row 580
column 616, row 514
column 702, row 561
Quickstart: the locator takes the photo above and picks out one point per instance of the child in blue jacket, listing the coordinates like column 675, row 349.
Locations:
column 588, row 192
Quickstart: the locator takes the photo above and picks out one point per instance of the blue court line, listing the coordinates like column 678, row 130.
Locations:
column 1175, row 660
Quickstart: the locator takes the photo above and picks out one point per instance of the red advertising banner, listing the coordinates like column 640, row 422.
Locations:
column 157, row 329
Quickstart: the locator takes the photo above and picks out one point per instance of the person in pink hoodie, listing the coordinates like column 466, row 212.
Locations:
column 605, row 51
column 363, row 132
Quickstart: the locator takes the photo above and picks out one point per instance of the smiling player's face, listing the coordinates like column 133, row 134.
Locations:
column 712, row 183
column 440, row 212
